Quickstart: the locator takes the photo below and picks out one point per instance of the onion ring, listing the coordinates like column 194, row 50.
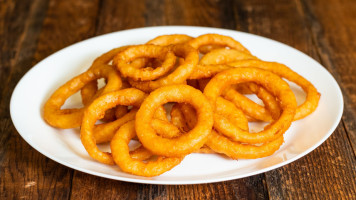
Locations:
column 71, row 118
column 163, row 128
column 313, row 96
column 178, row 119
column 222, row 144
column 140, row 153
column 214, row 62
column 124, row 58
column 121, row 155
column 215, row 39
column 236, row 150
column 165, row 40
column 303, row 110
column 104, row 132
column 127, row 97
column 207, row 71
column 273, row 83
column 186, row 143
column 223, row 56
column 90, row 91
column 207, row 48
column 178, row 76
column 269, row 112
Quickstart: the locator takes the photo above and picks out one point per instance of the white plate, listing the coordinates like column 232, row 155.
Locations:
column 64, row 146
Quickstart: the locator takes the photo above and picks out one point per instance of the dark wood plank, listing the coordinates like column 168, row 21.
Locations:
column 19, row 163
column 19, row 27
column 96, row 187
column 275, row 20
column 92, row 187
column 121, row 15
column 284, row 21
column 326, row 173
column 323, row 30
column 66, row 23
column 333, row 28
column 209, row 13
column 25, row 173
column 246, row 188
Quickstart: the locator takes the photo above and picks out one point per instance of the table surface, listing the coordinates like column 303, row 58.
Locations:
column 325, row 30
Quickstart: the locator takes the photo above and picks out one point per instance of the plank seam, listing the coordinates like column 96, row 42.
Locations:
column 97, row 21
column 348, row 137
column 330, row 67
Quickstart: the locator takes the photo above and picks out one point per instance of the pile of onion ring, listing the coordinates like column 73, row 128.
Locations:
column 177, row 95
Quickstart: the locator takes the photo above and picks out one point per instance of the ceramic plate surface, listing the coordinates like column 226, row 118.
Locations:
column 64, row 146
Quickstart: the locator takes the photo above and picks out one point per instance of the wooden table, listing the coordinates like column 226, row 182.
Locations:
column 325, row 30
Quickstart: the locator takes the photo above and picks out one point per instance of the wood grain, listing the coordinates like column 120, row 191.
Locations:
column 120, row 15
column 87, row 186
column 32, row 30
column 66, row 22
column 20, row 25
column 26, row 174
column 209, row 13
column 326, row 173
column 332, row 26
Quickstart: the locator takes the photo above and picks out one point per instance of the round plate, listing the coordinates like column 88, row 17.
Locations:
column 64, row 146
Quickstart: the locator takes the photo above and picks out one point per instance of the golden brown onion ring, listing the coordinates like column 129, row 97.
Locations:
column 165, row 40
column 273, row 83
column 72, row 118
column 124, row 58
column 121, row 154
column 215, row 39
column 313, row 96
column 179, row 75
column 221, row 144
column 127, row 97
column 223, row 56
column 186, row 143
